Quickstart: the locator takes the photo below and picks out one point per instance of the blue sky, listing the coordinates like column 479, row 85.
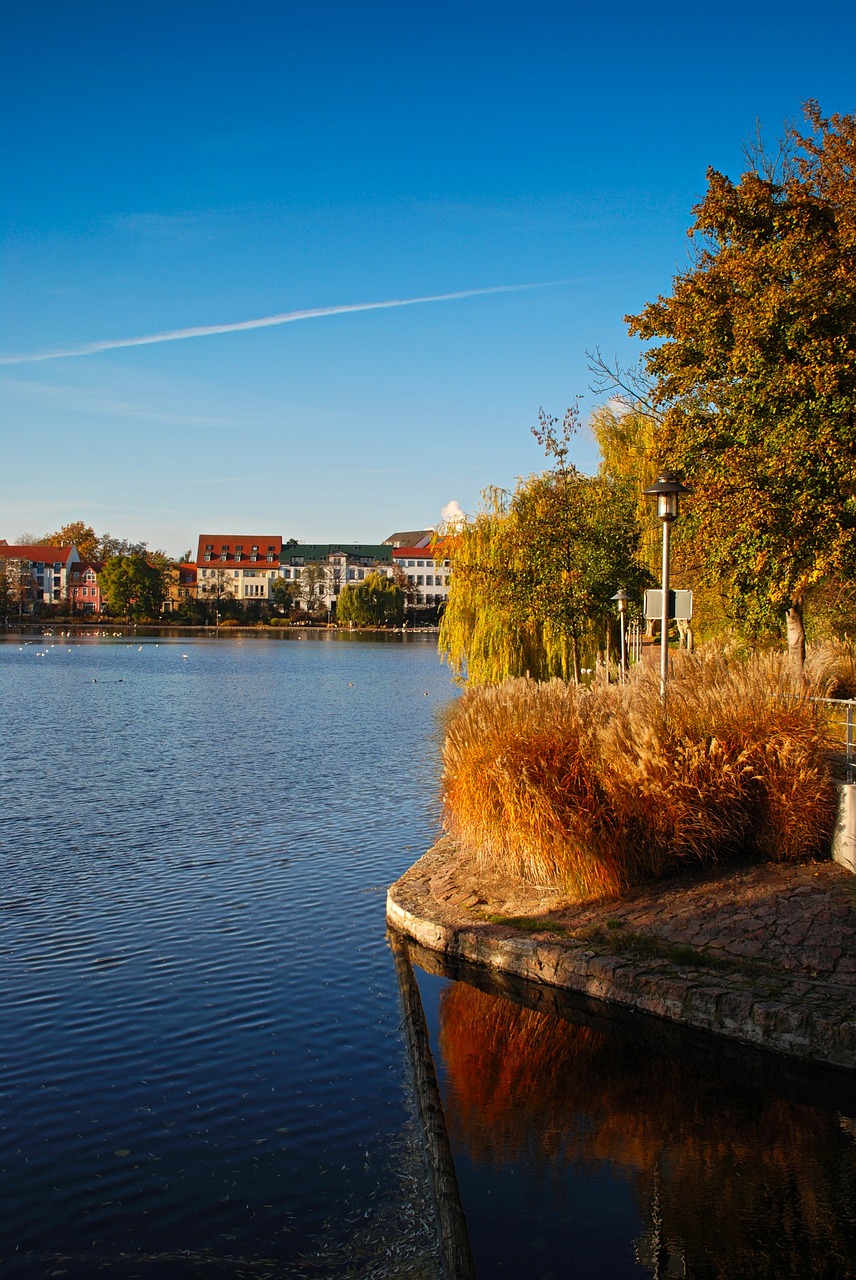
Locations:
column 200, row 163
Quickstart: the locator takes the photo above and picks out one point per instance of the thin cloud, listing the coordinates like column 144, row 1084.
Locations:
column 265, row 322
column 83, row 400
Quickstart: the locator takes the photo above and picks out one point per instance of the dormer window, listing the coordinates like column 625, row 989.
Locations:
column 239, row 551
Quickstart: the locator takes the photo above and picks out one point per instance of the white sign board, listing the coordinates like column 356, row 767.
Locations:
column 680, row 605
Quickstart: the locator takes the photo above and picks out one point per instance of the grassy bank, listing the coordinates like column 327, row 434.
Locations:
column 598, row 790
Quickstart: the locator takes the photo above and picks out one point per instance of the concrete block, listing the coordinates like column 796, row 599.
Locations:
column 844, row 836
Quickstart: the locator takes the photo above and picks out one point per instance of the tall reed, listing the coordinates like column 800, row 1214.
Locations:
column 598, row 790
column 831, row 669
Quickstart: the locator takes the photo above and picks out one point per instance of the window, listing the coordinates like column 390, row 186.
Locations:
column 420, row 579
column 420, row 564
column 429, row 580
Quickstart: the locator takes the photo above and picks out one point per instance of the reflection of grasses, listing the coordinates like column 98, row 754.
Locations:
column 598, row 790
column 753, row 1185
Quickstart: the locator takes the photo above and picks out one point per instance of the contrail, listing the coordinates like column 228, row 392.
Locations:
column 265, row 322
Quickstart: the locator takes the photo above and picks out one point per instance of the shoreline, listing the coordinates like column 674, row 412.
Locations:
column 763, row 955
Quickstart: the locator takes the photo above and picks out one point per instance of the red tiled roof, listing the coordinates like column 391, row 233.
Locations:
column 50, row 555
column 229, row 541
column 419, row 553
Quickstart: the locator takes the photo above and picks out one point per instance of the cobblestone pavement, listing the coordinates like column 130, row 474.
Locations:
column 797, row 918
column 766, row 954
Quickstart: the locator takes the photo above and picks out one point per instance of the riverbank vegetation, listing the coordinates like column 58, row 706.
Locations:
column 747, row 391
column 534, row 571
column 600, row 789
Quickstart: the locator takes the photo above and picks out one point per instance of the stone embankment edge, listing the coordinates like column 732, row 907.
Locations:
column 756, row 1011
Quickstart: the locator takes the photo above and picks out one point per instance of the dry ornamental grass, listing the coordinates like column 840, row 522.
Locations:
column 598, row 790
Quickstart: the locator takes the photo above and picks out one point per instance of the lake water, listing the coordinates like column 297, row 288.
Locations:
column 204, row 1071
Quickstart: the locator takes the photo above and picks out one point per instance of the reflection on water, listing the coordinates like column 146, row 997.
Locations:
column 729, row 1180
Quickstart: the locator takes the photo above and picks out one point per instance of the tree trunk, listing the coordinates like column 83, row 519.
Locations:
column 796, row 638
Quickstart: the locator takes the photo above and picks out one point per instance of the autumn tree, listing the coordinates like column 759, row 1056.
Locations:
column 626, row 433
column 77, row 534
column 534, row 571
column 17, row 586
column 755, row 374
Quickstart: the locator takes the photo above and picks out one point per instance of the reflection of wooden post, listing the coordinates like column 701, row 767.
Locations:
column 455, row 1251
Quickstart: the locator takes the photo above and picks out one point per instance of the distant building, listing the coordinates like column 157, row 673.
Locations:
column 320, row 570
column 36, row 575
column 246, row 567
column 428, row 578
column 84, row 593
column 182, row 586
column 243, row 567
column 416, row 538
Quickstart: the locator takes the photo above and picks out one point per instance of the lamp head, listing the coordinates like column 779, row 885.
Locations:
column 667, row 491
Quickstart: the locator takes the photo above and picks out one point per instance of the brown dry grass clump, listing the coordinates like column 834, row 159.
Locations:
column 831, row 669
column 598, row 790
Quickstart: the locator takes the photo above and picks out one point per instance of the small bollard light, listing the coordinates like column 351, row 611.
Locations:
column 668, row 490
column 621, row 597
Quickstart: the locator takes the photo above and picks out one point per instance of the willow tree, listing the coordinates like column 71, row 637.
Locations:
column 375, row 602
column 755, row 374
column 626, row 434
column 533, row 572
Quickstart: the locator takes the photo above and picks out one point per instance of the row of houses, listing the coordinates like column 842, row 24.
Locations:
column 33, row 575
column 247, row 568
column 241, row 568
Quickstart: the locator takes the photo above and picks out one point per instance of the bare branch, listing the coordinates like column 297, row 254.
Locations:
column 631, row 387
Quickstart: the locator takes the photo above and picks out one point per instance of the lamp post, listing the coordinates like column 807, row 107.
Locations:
column 621, row 597
column 667, row 491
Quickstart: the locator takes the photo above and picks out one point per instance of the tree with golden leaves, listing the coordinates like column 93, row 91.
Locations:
column 534, row 571
column 755, row 374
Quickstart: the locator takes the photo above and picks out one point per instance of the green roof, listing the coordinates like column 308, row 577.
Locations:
column 312, row 552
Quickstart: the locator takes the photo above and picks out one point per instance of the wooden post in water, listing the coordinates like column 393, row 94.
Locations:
column 455, row 1252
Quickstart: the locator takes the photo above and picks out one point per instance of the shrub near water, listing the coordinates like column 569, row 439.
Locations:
column 600, row 790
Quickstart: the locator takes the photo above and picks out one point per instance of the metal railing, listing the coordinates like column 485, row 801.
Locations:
column 842, row 720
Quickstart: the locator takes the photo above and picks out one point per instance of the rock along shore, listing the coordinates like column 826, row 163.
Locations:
column 765, row 955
